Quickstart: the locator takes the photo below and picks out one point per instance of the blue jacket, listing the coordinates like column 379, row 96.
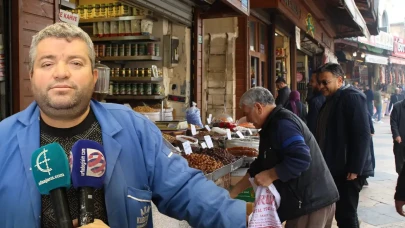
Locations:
column 140, row 169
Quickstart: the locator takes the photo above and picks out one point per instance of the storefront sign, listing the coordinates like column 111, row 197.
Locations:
column 399, row 61
column 68, row 17
column 293, row 6
column 399, row 47
column 376, row 59
column 383, row 40
column 298, row 37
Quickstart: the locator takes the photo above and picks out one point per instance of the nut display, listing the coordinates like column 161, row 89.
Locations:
column 203, row 162
column 169, row 138
column 144, row 109
column 201, row 134
column 243, row 151
column 219, row 154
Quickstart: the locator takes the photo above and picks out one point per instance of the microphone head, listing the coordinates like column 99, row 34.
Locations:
column 88, row 164
column 50, row 168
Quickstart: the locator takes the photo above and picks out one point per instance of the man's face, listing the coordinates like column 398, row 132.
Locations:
column 356, row 84
column 254, row 114
column 314, row 83
column 62, row 80
column 280, row 85
column 328, row 83
column 397, row 91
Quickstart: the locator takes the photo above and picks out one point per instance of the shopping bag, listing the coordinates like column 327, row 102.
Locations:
column 264, row 214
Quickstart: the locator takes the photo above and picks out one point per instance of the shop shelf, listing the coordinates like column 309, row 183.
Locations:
column 221, row 172
column 136, row 79
column 126, row 18
column 135, row 97
column 131, row 58
column 237, row 164
column 126, row 38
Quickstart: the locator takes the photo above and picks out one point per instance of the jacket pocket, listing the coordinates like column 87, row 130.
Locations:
column 139, row 207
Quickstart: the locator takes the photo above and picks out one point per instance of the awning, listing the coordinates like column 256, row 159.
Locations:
column 357, row 17
column 223, row 8
column 395, row 60
column 376, row 59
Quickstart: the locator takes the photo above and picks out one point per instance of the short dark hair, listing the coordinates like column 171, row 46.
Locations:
column 281, row 79
column 332, row 68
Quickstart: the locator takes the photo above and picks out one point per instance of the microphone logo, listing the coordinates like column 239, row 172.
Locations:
column 96, row 164
column 44, row 162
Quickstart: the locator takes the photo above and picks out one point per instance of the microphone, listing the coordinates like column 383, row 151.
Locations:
column 88, row 173
column 50, row 168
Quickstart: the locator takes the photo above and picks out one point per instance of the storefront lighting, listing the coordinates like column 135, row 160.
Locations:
column 363, row 55
column 276, row 34
column 354, row 54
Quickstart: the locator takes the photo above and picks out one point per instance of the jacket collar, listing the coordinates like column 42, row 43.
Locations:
column 271, row 116
column 29, row 140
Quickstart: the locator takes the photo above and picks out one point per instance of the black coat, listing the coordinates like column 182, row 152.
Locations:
column 313, row 189
column 397, row 120
column 400, row 190
column 348, row 134
column 283, row 96
column 395, row 98
column 315, row 104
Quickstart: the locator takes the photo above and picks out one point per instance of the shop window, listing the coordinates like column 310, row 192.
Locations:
column 263, row 38
column 252, row 36
column 254, row 71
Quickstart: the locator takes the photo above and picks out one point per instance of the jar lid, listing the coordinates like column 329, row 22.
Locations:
column 98, row 65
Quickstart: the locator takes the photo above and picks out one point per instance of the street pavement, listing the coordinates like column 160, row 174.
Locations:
column 376, row 206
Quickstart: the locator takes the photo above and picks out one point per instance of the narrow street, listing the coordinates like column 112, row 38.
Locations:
column 376, row 208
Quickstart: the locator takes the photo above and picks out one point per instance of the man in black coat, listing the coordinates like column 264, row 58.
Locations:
column 289, row 158
column 343, row 134
column 397, row 120
column 283, row 92
column 395, row 97
column 315, row 103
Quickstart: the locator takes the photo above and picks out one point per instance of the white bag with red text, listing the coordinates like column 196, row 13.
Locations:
column 264, row 213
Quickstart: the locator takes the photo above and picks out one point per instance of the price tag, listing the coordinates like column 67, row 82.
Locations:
column 228, row 134
column 210, row 117
column 203, row 145
column 187, row 148
column 240, row 134
column 208, row 128
column 250, row 132
column 208, row 121
column 193, row 130
column 208, row 140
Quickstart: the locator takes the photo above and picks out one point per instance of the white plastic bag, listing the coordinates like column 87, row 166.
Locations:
column 265, row 209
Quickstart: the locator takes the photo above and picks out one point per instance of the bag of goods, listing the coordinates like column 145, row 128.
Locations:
column 267, row 201
column 193, row 115
column 203, row 162
column 243, row 151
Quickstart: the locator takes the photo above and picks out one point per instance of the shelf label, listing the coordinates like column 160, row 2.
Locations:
column 203, row 145
column 68, row 17
column 208, row 128
column 209, row 119
column 228, row 134
column 208, row 140
column 187, row 148
column 240, row 134
column 193, row 130
column 250, row 132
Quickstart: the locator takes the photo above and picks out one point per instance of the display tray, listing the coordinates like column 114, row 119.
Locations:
column 224, row 170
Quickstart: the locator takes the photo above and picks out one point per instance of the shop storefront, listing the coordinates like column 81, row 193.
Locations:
column 397, row 61
column 5, row 77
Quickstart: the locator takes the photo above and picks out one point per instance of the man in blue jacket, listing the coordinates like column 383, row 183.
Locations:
column 343, row 134
column 140, row 168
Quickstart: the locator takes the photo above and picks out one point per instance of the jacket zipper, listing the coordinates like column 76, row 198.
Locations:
column 296, row 197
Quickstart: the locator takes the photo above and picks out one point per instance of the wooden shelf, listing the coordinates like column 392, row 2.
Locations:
column 130, row 58
column 135, row 97
column 136, row 79
column 126, row 38
column 126, row 18
column 67, row 4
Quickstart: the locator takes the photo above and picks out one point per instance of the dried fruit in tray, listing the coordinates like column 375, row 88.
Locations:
column 243, row 151
column 219, row 154
column 203, row 162
column 145, row 109
column 169, row 138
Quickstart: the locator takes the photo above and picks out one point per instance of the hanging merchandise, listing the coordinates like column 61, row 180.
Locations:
column 193, row 115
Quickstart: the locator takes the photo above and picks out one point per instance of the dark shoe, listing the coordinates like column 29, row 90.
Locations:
column 365, row 184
